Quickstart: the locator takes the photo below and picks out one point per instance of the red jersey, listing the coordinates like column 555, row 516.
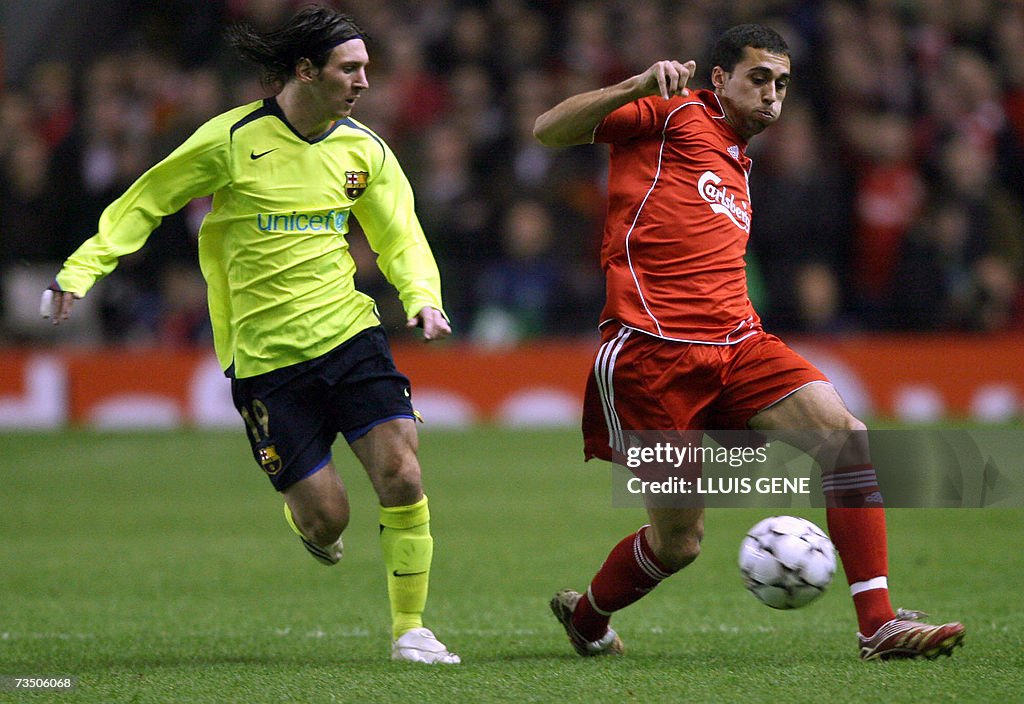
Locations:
column 678, row 221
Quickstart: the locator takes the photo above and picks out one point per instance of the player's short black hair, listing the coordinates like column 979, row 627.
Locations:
column 311, row 34
column 729, row 48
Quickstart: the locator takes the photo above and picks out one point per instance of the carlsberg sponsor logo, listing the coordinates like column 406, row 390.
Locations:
column 329, row 221
column 722, row 201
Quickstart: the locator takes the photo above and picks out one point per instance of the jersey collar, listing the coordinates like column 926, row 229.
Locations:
column 274, row 109
column 717, row 110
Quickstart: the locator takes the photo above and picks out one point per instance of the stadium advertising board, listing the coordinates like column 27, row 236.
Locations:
column 912, row 379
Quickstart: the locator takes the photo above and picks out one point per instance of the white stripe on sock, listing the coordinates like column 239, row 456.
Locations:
column 644, row 562
column 875, row 583
column 593, row 604
column 826, row 487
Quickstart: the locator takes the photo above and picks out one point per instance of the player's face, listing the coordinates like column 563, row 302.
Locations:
column 342, row 79
column 752, row 93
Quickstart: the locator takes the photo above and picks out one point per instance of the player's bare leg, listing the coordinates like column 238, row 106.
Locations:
column 388, row 453
column 815, row 420
column 675, row 535
column 316, row 508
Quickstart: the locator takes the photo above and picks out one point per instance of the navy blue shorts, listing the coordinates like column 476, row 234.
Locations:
column 294, row 414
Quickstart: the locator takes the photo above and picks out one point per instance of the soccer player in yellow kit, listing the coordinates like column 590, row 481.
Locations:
column 304, row 350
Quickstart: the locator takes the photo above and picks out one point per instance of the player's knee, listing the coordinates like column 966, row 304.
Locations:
column 847, row 443
column 838, row 422
column 322, row 525
column 851, row 424
column 680, row 550
column 399, row 478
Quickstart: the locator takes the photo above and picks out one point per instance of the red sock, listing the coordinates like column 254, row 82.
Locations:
column 628, row 574
column 856, row 524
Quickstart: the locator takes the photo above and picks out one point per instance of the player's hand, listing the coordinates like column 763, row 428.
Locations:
column 668, row 78
column 57, row 304
column 435, row 325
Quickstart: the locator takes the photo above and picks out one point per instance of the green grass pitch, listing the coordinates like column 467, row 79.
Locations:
column 156, row 567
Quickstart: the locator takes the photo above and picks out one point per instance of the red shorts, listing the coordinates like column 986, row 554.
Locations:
column 641, row 382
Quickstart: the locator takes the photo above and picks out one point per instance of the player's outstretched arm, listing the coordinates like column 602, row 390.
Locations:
column 435, row 325
column 574, row 120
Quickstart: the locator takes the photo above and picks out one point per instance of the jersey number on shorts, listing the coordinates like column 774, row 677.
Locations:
column 257, row 421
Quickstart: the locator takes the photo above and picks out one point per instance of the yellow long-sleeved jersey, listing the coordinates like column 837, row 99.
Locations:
column 280, row 279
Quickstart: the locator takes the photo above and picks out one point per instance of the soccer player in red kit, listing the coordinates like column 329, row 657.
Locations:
column 682, row 347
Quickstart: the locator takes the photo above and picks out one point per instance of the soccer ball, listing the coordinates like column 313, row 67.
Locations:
column 787, row 562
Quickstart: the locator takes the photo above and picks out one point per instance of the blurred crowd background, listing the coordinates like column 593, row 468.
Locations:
column 889, row 196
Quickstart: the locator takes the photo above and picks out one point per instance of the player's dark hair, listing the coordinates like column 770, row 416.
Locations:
column 311, row 34
column 729, row 48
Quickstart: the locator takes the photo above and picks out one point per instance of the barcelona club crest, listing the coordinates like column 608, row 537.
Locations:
column 270, row 461
column 355, row 183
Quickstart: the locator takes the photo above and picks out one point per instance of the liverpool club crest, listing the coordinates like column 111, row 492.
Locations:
column 355, row 183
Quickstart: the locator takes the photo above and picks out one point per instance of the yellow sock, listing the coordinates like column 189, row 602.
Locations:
column 327, row 554
column 408, row 549
column 291, row 521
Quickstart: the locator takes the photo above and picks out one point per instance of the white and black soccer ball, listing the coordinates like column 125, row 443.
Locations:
column 787, row 562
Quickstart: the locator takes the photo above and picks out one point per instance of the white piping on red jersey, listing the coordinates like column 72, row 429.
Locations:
column 728, row 338
column 632, row 226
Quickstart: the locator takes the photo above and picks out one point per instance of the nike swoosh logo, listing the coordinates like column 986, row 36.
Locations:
column 407, row 574
column 254, row 156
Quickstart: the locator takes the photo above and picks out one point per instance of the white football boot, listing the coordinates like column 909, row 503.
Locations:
column 420, row 645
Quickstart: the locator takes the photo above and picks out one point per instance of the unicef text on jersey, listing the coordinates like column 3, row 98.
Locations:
column 316, row 221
